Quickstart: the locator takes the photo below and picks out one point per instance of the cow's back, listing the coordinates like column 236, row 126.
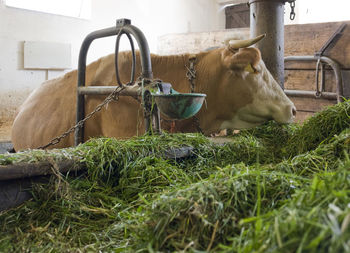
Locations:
column 47, row 112
column 50, row 110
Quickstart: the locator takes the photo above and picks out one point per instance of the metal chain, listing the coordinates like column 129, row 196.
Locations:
column 292, row 9
column 113, row 96
column 191, row 72
column 191, row 76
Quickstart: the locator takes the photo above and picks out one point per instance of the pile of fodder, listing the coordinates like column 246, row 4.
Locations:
column 273, row 137
column 320, row 128
column 263, row 191
column 244, row 209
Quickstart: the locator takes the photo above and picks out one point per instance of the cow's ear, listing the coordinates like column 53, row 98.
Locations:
column 245, row 59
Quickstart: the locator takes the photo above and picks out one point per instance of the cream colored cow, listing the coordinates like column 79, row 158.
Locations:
column 241, row 93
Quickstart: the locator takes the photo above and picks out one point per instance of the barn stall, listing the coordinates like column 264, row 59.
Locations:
column 270, row 188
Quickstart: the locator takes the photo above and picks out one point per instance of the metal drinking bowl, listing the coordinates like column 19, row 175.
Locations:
column 179, row 105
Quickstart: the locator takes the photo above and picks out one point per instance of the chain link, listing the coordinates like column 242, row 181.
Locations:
column 191, row 76
column 191, row 72
column 114, row 96
column 292, row 9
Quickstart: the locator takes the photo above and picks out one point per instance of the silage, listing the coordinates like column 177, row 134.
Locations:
column 320, row 128
column 209, row 212
column 274, row 188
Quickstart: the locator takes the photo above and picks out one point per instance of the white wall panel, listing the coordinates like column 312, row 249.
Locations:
column 46, row 55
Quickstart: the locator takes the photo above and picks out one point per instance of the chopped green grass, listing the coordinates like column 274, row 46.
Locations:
column 320, row 128
column 274, row 188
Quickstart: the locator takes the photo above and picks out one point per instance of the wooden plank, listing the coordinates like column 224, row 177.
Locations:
column 302, row 116
column 306, row 80
column 293, row 65
column 237, row 16
column 307, row 107
column 303, row 39
column 306, row 39
column 311, row 104
column 24, row 170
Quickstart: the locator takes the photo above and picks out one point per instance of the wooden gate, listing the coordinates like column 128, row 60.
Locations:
column 237, row 16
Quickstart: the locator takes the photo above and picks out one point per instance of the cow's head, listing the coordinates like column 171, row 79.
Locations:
column 260, row 96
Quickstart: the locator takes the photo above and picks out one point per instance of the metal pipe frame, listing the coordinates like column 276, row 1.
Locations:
column 106, row 90
column 151, row 113
column 267, row 17
column 146, row 66
column 310, row 94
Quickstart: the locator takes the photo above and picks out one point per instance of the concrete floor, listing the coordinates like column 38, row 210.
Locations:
column 5, row 147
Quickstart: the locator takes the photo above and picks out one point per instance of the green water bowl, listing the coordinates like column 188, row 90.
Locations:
column 179, row 105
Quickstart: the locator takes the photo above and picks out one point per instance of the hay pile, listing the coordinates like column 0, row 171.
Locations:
column 274, row 188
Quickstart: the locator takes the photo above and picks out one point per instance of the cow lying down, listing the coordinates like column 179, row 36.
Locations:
column 241, row 93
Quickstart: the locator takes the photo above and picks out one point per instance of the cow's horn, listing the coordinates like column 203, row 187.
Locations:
column 236, row 44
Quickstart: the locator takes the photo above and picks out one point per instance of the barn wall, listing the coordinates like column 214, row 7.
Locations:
column 303, row 39
column 154, row 17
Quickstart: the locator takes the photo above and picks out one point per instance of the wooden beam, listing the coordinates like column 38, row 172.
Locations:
column 26, row 170
column 306, row 107
column 306, row 80
column 306, row 39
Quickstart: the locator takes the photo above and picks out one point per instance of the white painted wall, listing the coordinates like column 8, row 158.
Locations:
column 16, row 26
column 153, row 17
column 319, row 11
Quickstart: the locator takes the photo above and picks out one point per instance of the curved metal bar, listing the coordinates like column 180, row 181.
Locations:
column 318, row 92
column 140, row 38
column 79, row 133
column 145, row 55
column 133, row 91
column 146, row 65
column 310, row 94
column 333, row 64
column 133, row 66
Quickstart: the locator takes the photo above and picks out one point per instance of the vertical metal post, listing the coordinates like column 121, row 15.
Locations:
column 267, row 17
column 79, row 133
column 146, row 67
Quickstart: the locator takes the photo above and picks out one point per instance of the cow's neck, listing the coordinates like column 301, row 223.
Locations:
column 208, row 68
column 173, row 69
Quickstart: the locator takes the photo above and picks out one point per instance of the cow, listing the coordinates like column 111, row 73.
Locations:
column 241, row 93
